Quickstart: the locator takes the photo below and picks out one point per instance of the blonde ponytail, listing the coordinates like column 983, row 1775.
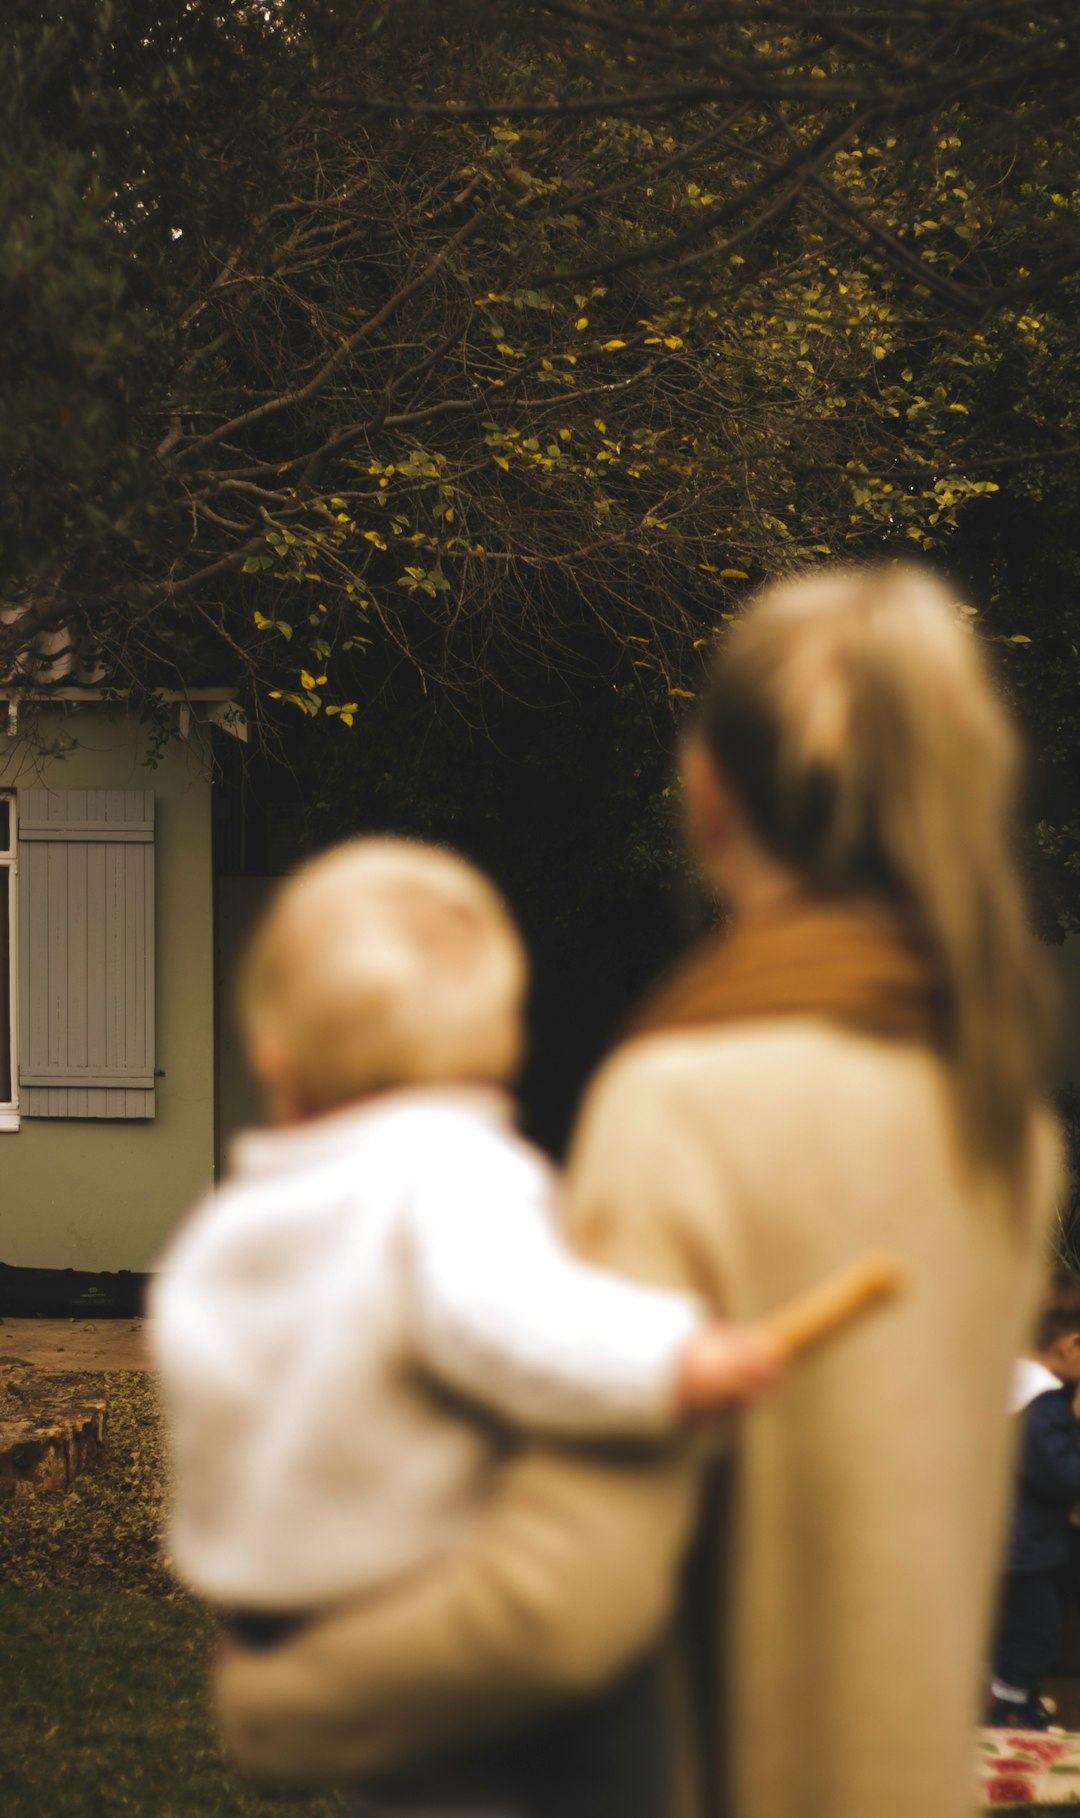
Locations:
column 852, row 714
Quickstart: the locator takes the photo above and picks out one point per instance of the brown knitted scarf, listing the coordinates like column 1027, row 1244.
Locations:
column 849, row 963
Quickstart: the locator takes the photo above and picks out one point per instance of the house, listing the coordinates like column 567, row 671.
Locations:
column 107, row 1013
column 131, row 868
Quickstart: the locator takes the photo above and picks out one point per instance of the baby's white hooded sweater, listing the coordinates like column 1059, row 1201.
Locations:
column 311, row 1317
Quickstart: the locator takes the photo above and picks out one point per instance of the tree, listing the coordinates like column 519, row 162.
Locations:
column 377, row 356
column 458, row 382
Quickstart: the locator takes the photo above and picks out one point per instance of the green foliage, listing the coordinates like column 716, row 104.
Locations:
column 320, row 375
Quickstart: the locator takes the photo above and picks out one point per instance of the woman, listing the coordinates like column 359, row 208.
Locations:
column 859, row 1066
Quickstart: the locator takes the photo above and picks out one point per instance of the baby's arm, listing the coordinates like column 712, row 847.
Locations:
column 502, row 1311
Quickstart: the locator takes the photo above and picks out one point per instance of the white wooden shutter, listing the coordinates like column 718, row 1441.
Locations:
column 86, row 953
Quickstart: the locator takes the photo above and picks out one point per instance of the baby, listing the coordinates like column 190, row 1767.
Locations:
column 383, row 1268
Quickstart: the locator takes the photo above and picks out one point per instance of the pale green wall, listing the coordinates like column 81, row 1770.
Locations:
column 89, row 1195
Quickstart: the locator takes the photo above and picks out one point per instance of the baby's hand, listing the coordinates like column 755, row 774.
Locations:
column 723, row 1365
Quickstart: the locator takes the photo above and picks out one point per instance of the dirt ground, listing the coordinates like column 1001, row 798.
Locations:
column 76, row 1344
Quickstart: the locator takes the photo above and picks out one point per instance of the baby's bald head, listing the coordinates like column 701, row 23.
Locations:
column 381, row 963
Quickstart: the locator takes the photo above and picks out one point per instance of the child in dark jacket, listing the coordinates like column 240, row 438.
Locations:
column 1031, row 1611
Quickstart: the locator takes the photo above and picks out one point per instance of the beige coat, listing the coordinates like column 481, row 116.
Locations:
column 868, row 1495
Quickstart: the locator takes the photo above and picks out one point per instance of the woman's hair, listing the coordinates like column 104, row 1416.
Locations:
column 1059, row 1316
column 384, row 963
column 851, row 712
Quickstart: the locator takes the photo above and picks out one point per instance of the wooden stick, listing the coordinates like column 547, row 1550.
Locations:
column 806, row 1321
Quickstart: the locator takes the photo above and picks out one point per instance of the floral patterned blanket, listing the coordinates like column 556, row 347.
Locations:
column 1020, row 1768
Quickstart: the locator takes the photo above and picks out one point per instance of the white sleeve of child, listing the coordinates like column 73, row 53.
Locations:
column 502, row 1311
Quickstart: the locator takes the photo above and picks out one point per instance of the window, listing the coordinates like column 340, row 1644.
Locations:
column 9, row 1110
column 86, row 955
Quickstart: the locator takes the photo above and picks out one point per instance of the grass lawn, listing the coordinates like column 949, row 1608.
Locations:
column 104, row 1710
column 103, row 1696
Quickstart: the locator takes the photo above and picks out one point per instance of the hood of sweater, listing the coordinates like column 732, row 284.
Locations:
column 281, row 1148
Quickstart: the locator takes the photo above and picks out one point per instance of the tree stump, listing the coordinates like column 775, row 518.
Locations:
column 51, row 1428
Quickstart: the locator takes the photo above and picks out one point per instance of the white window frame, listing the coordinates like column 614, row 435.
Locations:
column 9, row 881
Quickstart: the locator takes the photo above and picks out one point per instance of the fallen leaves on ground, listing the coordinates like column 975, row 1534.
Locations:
column 103, row 1532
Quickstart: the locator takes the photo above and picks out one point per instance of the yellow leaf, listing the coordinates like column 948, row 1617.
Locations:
column 672, row 341
column 372, row 536
column 609, row 346
column 346, row 718
column 564, row 435
column 879, row 352
column 307, row 680
column 501, row 461
column 734, row 574
column 684, row 694
column 598, row 423
column 582, row 322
